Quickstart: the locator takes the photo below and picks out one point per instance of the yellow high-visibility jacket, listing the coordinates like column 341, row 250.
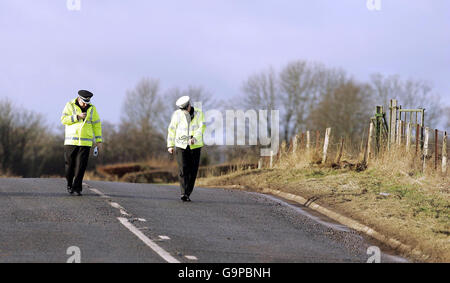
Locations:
column 179, row 133
column 81, row 133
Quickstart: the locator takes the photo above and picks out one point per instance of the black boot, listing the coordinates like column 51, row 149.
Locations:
column 70, row 190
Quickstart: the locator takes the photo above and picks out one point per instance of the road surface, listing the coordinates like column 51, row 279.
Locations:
column 121, row 222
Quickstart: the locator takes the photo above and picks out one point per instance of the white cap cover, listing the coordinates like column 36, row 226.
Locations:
column 85, row 100
column 182, row 102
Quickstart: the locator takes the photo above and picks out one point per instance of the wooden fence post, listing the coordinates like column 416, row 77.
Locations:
column 422, row 124
column 418, row 130
column 444, row 154
column 402, row 130
column 294, row 144
column 325, row 145
column 308, row 140
column 378, row 128
column 436, row 149
column 260, row 163
column 341, row 148
column 425, row 149
column 369, row 143
column 389, row 125
column 393, row 121
column 408, row 136
column 399, row 133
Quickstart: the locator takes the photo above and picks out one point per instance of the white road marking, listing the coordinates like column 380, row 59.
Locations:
column 160, row 251
column 99, row 193
column 191, row 257
column 136, row 231
column 119, row 207
column 115, row 205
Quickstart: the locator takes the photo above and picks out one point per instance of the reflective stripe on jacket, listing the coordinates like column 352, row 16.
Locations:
column 179, row 133
column 81, row 133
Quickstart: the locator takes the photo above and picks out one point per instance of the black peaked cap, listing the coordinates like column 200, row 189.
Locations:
column 85, row 94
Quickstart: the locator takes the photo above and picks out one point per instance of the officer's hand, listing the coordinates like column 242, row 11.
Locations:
column 81, row 116
column 99, row 146
column 192, row 141
column 170, row 150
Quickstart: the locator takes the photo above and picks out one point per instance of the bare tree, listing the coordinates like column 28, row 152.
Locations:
column 301, row 85
column 142, row 104
column 261, row 91
column 138, row 130
column 24, row 138
column 346, row 109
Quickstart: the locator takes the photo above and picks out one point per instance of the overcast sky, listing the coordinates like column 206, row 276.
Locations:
column 48, row 52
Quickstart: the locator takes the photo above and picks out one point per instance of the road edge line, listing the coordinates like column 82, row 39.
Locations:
column 351, row 223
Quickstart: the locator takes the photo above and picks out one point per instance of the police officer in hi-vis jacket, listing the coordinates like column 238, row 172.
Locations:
column 185, row 137
column 83, row 127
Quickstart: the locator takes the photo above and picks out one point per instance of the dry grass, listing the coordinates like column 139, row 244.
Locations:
column 8, row 175
column 392, row 195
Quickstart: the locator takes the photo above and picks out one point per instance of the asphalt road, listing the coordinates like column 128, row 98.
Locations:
column 120, row 222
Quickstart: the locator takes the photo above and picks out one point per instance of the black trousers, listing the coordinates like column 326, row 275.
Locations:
column 76, row 158
column 188, row 161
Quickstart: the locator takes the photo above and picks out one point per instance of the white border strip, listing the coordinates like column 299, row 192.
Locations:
column 157, row 249
column 99, row 193
column 119, row 207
